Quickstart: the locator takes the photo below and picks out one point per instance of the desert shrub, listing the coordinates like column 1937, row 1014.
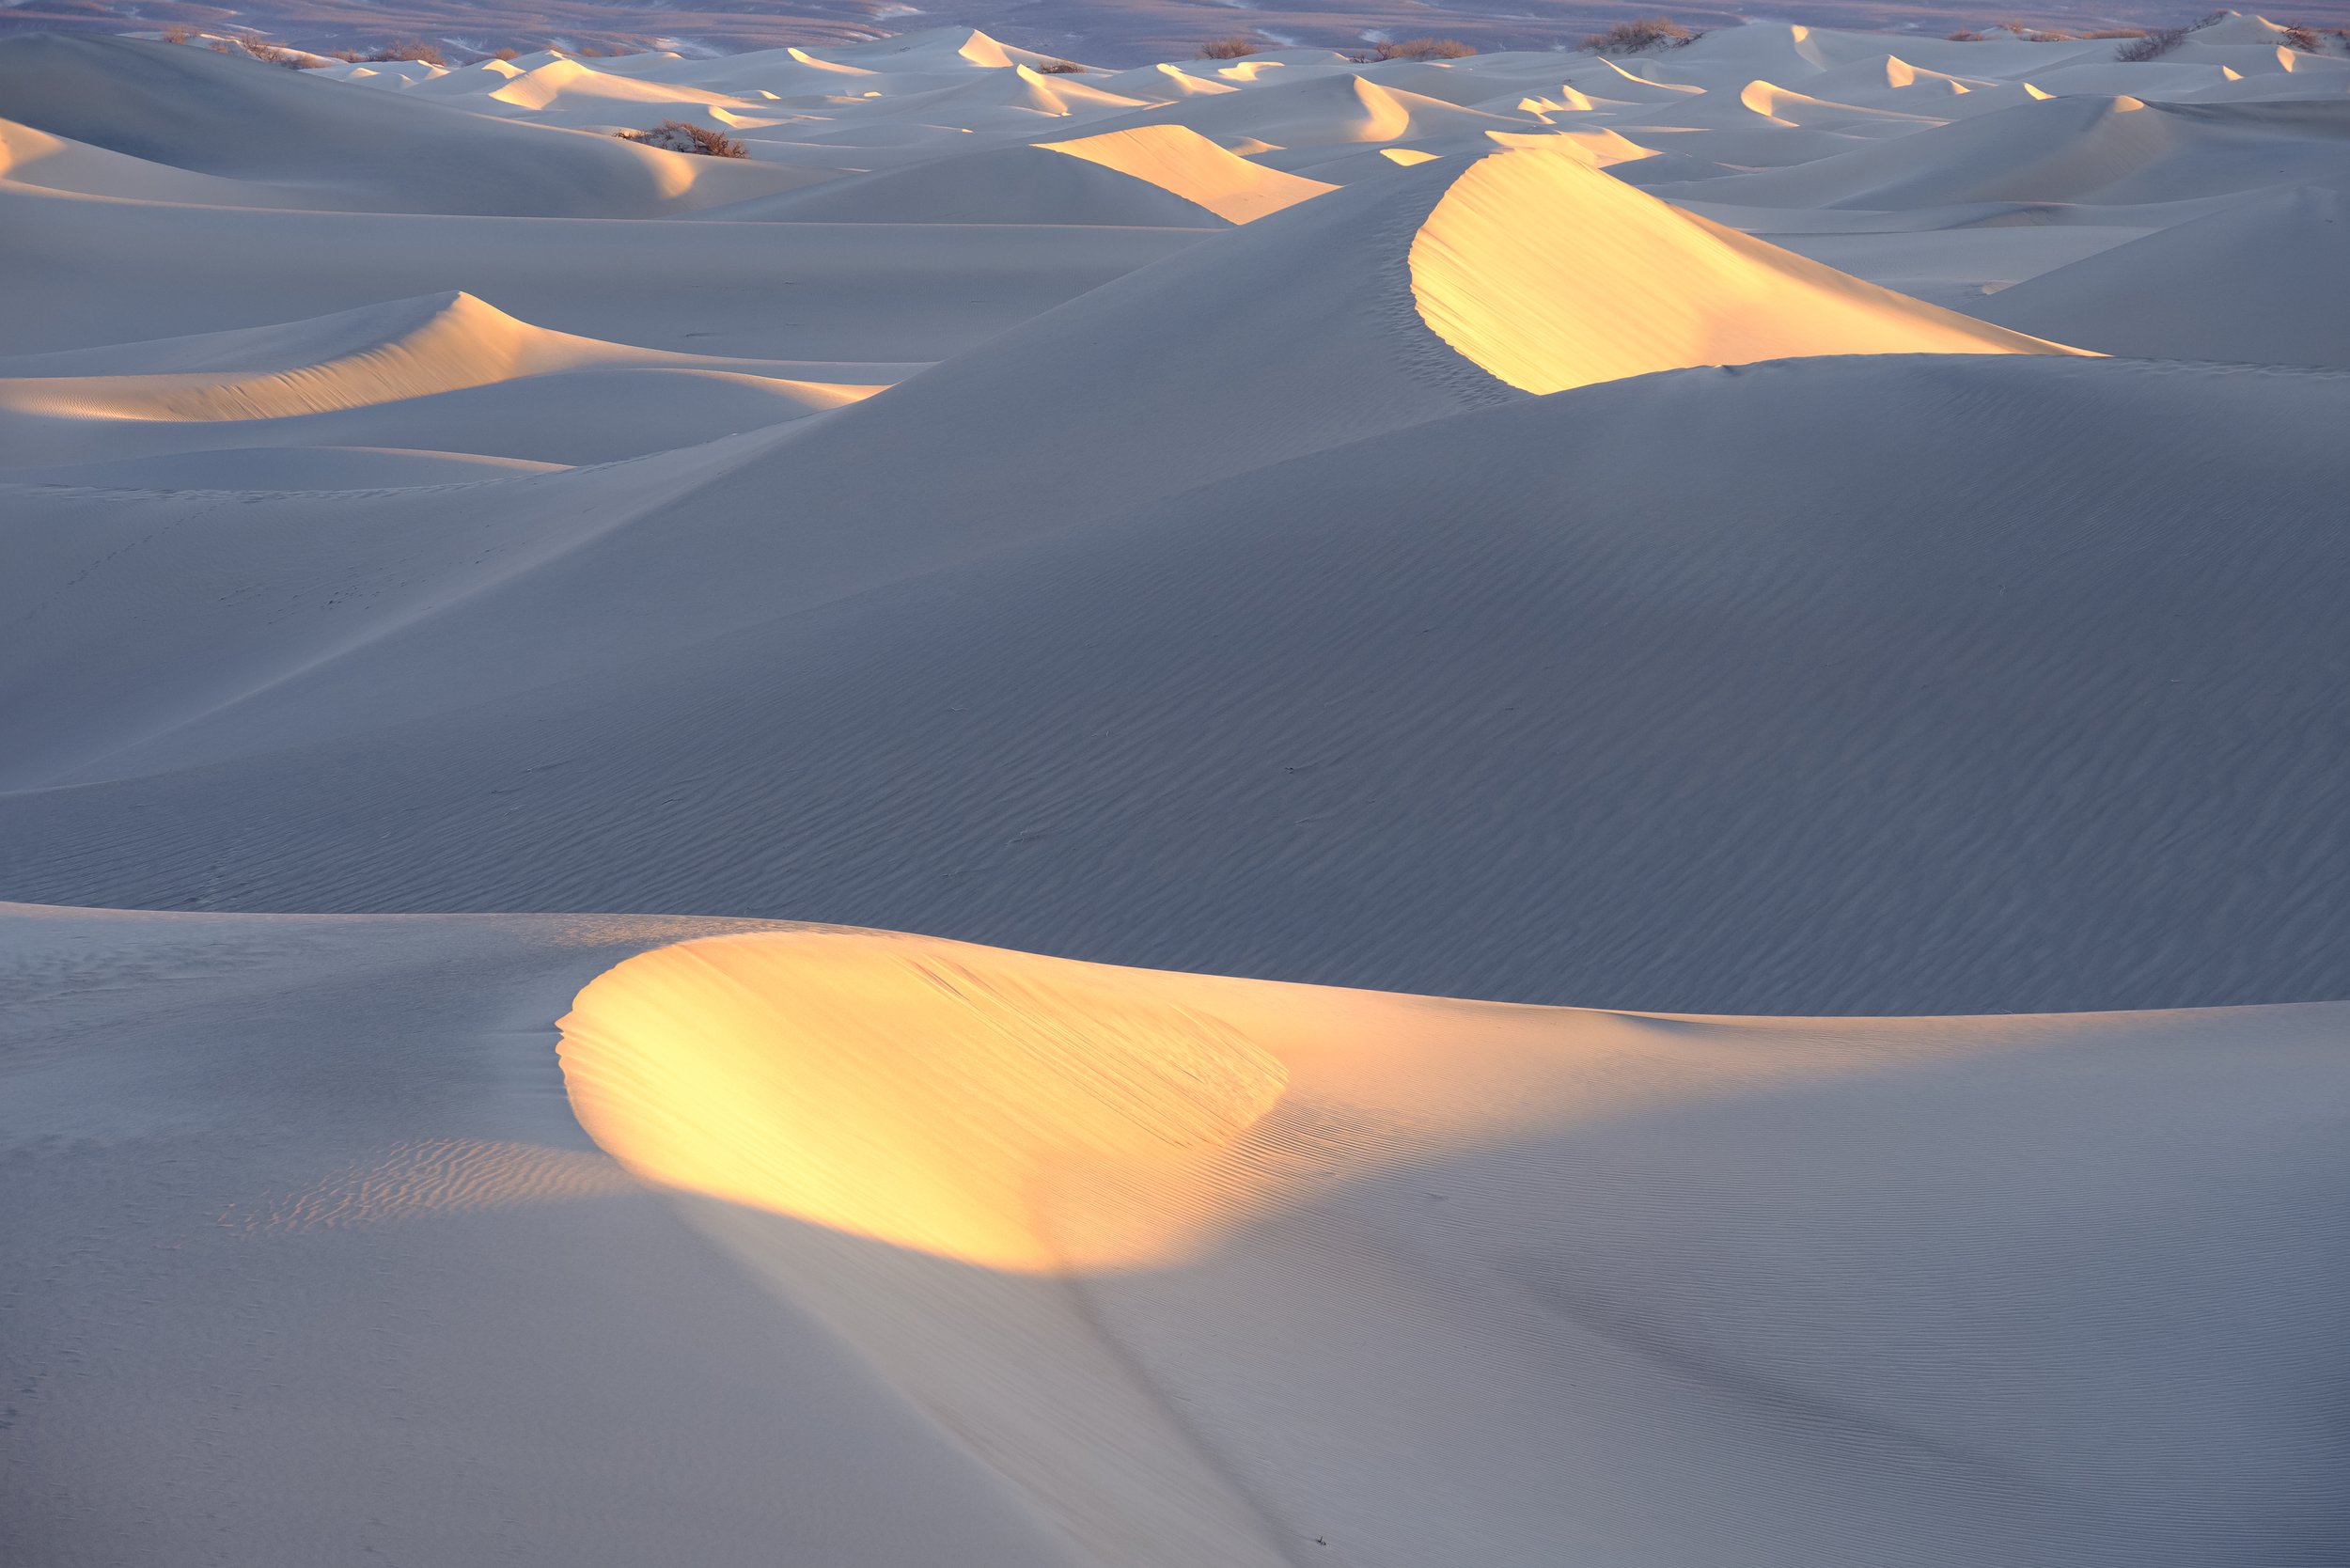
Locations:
column 681, row 135
column 1422, row 49
column 2153, row 45
column 411, row 49
column 2304, row 38
column 1963, row 36
column 507, row 55
column 1061, row 67
column 1638, row 36
column 178, row 32
column 1230, row 48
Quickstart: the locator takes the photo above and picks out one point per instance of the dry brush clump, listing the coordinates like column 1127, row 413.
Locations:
column 1422, row 49
column 1230, row 47
column 1640, row 35
column 2151, row 45
column 682, row 135
column 1060, row 68
column 407, row 49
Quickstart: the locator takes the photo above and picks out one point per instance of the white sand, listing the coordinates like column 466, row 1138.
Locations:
column 1831, row 542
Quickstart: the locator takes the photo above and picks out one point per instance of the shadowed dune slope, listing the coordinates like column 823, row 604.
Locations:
column 1524, row 704
column 2254, row 283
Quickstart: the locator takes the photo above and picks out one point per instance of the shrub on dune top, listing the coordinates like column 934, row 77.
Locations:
column 681, row 135
column 412, row 48
column 2152, row 45
column 1422, row 49
column 1060, row 68
column 1638, row 36
column 1231, row 48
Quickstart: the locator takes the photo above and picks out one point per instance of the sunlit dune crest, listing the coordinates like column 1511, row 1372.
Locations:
column 1179, row 160
column 1549, row 275
column 405, row 349
column 1038, row 1115
column 924, row 1094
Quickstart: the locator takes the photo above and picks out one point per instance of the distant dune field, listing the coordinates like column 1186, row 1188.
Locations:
column 910, row 800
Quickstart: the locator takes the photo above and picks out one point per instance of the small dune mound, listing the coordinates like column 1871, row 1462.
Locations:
column 382, row 354
column 1548, row 274
column 928, row 1094
column 1181, row 161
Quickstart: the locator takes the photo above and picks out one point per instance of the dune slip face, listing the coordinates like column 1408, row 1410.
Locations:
column 886, row 801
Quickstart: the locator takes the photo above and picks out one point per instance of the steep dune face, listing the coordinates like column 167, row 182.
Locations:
column 1548, row 274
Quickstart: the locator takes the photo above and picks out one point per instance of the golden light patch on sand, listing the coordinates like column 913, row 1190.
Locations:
column 927, row 1094
column 1550, row 276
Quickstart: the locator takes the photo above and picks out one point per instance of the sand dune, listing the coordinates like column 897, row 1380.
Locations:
column 1387, row 814
column 1660, row 658
column 2243, row 284
column 447, row 373
column 338, row 150
column 1654, row 1289
column 1545, row 306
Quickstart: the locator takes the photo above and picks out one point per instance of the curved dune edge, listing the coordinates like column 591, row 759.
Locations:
column 424, row 347
column 1043, row 1115
column 929, row 1095
column 1549, row 275
column 939, row 1152
column 1184, row 162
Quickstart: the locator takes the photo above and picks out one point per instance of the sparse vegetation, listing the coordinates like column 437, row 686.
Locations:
column 178, row 32
column 2151, row 45
column 2304, row 38
column 507, row 55
column 1640, row 35
column 1422, row 49
column 1230, row 48
column 408, row 49
column 1061, row 67
column 682, row 135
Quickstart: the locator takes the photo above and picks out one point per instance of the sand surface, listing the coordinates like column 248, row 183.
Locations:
column 1528, row 811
